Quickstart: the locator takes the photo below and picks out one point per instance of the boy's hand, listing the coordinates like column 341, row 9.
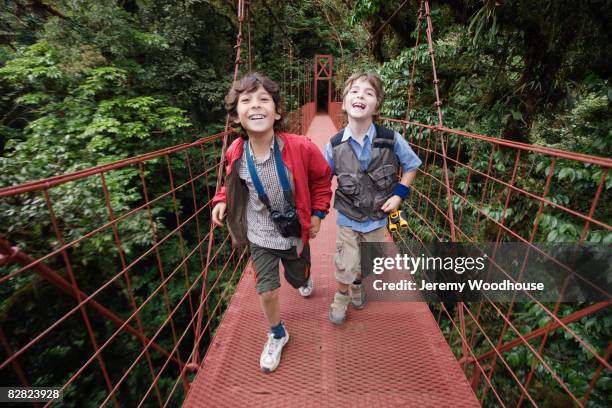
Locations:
column 315, row 226
column 218, row 214
column 392, row 204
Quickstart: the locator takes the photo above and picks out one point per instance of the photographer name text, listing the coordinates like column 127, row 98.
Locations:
column 475, row 285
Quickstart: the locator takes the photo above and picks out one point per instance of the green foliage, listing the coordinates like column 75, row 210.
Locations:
column 365, row 8
column 78, row 122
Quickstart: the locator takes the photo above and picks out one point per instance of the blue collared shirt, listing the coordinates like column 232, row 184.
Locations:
column 407, row 158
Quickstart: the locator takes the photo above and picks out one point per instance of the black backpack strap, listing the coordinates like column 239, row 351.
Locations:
column 385, row 138
column 337, row 138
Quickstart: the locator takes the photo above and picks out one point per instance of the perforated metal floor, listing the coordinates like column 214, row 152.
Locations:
column 387, row 355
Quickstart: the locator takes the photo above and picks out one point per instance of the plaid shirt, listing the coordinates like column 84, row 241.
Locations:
column 260, row 228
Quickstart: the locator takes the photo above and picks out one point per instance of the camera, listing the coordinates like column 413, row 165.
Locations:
column 287, row 223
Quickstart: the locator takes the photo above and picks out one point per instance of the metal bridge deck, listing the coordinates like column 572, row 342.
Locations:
column 387, row 355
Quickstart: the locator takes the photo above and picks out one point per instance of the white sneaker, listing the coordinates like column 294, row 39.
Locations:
column 271, row 354
column 306, row 290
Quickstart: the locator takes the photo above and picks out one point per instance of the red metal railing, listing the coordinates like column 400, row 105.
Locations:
column 336, row 115
column 298, row 121
column 475, row 188
column 139, row 328
column 504, row 191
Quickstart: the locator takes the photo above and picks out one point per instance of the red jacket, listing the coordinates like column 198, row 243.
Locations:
column 311, row 180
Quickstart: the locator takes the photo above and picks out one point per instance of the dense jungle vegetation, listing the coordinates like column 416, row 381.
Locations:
column 84, row 83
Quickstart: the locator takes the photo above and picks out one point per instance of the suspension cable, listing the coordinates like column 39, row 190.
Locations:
column 241, row 14
column 414, row 55
column 438, row 105
column 250, row 54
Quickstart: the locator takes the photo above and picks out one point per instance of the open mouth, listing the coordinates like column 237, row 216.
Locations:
column 358, row 105
column 256, row 117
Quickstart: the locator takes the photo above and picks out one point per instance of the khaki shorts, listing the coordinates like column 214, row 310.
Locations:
column 348, row 252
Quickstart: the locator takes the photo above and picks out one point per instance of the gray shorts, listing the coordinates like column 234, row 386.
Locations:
column 265, row 260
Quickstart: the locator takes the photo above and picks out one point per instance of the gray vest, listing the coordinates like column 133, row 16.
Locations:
column 361, row 194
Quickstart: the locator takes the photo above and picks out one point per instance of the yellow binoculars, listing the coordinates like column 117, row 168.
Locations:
column 396, row 220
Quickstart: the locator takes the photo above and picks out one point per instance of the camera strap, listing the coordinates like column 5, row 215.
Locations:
column 280, row 171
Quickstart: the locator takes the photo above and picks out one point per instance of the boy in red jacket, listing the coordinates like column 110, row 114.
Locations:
column 277, row 190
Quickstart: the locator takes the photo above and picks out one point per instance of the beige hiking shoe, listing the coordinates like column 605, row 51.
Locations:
column 337, row 310
column 358, row 297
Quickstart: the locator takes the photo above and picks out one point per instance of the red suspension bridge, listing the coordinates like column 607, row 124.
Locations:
column 194, row 335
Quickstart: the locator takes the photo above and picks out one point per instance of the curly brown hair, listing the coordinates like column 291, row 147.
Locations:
column 250, row 83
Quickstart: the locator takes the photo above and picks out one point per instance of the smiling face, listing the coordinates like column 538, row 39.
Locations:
column 256, row 112
column 361, row 100
column 255, row 88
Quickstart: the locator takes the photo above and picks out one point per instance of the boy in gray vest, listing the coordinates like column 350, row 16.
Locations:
column 366, row 160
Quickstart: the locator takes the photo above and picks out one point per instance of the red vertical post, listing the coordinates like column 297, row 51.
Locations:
column 315, row 80
column 323, row 66
column 329, row 82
